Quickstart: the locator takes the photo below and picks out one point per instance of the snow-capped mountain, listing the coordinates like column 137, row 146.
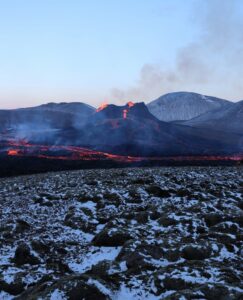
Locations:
column 227, row 118
column 184, row 106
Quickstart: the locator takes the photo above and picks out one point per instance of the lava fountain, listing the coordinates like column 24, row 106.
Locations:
column 125, row 111
column 102, row 106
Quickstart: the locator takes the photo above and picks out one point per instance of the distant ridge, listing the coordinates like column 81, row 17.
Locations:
column 51, row 115
column 68, row 107
column 131, row 129
column 227, row 119
column 184, row 106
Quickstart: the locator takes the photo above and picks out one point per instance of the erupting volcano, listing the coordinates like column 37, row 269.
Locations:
column 118, row 134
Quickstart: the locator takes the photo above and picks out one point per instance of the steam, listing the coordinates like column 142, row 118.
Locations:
column 210, row 65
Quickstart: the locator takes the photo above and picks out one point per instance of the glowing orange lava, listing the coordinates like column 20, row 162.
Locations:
column 22, row 148
column 102, row 106
column 25, row 149
column 130, row 104
column 125, row 111
column 13, row 152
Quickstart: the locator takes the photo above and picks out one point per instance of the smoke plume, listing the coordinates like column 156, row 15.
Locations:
column 211, row 65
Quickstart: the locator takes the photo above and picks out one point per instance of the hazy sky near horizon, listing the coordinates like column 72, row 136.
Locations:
column 105, row 50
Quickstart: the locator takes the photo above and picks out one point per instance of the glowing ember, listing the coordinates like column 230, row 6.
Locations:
column 13, row 152
column 102, row 106
column 125, row 111
column 130, row 104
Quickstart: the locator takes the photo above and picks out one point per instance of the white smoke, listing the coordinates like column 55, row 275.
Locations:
column 213, row 64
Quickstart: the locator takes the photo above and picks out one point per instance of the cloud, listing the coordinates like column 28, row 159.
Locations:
column 212, row 64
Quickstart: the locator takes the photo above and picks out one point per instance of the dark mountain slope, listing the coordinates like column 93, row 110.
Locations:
column 138, row 132
column 184, row 106
column 227, row 119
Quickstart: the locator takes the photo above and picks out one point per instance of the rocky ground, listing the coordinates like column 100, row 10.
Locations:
column 145, row 233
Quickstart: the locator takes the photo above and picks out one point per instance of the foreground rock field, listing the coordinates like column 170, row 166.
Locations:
column 141, row 233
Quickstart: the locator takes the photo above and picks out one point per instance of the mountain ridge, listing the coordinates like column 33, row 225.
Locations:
column 184, row 105
column 130, row 129
column 228, row 119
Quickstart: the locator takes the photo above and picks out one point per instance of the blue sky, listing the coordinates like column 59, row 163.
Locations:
column 106, row 50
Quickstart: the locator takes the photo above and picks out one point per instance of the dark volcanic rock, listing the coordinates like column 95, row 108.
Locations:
column 157, row 191
column 226, row 227
column 195, row 252
column 40, row 246
column 87, row 292
column 142, row 233
column 171, row 283
column 13, row 288
column 79, row 220
column 213, row 219
column 22, row 226
column 23, row 256
column 219, row 292
column 70, row 287
column 137, row 254
column 111, row 237
column 166, row 221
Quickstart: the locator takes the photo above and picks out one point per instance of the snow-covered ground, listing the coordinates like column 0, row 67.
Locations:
column 145, row 233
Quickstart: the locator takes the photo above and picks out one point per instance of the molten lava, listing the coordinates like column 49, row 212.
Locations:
column 130, row 104
column 125, row 111
column 13, row 152
column 21, row 148
column 102, row 106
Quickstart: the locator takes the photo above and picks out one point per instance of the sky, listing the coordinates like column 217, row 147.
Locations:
column 118, row 51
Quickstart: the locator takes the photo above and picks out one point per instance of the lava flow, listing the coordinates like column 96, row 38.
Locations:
column 13, row 152
column 102, row 106
column 130, row 104
column 24, row 149
column 125, row 111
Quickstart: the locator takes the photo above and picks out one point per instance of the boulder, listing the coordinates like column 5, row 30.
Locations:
column 22, row 226
column 111, row 237
column 157, row 191
column 13, row 288
column 40, row 247
column 71, row 287
column 23, row 255
column 166, row 221
column 195, row 252
column 171, row 283
column 79, row 220
column 137, row 255
column 226, row 227
column 213, row 219
column 86, row 291
column 218, row 291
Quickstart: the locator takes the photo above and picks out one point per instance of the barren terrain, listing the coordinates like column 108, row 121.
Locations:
column 138, row 233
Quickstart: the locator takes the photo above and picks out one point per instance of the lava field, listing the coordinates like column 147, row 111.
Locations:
column 131, row 233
